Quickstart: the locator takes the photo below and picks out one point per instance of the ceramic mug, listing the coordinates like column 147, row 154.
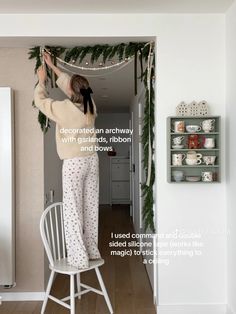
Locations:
column 207, row 176
column 193, row 161
column 177, row 159
column 193, row 155
column 209, row 142
column 179, row 127
column 178, row 140
column 209, row 160
column 208, row 125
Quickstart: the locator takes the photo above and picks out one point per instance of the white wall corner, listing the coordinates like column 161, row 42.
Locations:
column 22, row 296
column 229, row 310
column 193, row 309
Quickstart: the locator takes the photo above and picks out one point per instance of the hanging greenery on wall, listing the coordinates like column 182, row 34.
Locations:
column 142, row 52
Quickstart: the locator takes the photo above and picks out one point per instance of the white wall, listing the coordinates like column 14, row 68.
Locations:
column 17, row 72
column 103, row 121
column 190, row 65
column 231, row 148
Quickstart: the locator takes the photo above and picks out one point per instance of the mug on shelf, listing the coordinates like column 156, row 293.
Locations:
column 193, row 162
column 207, row 176
column 209, row 142
column 208, row 125
column 179, row 127
column 177, row 159
column 209, row 160
column 193, row 158
column 178, row 140
column 193, row 155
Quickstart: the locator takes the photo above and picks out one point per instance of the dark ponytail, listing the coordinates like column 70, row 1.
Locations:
column 81, row 92
column 85, row 92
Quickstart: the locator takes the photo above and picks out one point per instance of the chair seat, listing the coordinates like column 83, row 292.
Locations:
column 62, row 266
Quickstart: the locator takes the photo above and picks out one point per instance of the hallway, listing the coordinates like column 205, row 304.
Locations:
column 125, row 278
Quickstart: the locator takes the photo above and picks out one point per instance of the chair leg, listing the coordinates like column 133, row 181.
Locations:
column 49, row 286
column 72, row 294
column 104, row 290
column 78, row 285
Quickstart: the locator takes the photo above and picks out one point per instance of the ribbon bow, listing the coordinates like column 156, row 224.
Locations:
column 85, row 92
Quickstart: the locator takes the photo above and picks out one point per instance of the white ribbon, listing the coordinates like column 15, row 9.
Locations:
column 149, row 72
column 97, row 75
column 43, row 63
column 92, row 68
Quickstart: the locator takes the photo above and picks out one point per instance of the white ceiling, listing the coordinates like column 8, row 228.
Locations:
column 67, row 41
column 115, row 91
column 108, row 6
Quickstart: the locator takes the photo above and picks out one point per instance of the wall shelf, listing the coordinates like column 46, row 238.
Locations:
column 201, row 133
column 196, row 166
column 195, row 170
column 197, row 149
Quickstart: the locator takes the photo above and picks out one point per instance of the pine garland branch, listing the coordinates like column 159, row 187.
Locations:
column 106, row 52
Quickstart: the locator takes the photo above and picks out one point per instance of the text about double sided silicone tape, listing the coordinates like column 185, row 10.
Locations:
column 157, row 248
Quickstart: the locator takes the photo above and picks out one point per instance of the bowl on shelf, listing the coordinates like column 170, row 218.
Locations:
column 193, row 128
column 178, row 175
column 193, row 178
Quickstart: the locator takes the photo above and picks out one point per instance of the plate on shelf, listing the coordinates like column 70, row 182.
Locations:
column 177, row 146
column 193, row 178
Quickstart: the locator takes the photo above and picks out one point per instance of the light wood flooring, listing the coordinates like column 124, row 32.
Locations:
column 125, row 278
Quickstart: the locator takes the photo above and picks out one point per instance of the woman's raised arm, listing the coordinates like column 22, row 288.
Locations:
column 47, row 58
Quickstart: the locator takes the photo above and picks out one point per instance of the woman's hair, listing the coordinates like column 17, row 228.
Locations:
column 81, row 92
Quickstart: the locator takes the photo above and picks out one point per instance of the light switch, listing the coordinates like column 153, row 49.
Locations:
column 51, row 196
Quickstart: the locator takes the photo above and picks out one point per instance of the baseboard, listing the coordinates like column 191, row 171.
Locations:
column 22, row 296
column 193, row 309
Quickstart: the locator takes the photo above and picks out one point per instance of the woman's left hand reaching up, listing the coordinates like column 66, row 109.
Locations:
column 42, row 74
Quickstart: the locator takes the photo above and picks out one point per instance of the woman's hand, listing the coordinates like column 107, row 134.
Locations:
column 47, row 58
column 42, row 74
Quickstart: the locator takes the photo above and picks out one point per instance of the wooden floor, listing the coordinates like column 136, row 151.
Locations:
column 125, row 278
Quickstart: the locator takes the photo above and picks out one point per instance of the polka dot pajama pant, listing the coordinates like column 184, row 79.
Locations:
column 80, row 176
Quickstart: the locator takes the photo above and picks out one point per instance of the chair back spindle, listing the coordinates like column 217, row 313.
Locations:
column 52, row 232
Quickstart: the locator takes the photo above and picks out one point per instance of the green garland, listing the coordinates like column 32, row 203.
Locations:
column 139, row 51
column 148, row 123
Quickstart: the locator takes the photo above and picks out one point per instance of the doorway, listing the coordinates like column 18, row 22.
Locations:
column 121, row 175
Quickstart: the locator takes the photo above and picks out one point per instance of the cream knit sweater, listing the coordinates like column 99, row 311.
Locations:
column 75, row 131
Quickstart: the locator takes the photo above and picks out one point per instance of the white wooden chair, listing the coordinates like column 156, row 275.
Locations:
column 52, row 233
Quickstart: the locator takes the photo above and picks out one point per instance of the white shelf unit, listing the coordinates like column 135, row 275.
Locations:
column 119, row 180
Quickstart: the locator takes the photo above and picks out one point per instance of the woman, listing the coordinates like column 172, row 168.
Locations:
column 76, row 146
